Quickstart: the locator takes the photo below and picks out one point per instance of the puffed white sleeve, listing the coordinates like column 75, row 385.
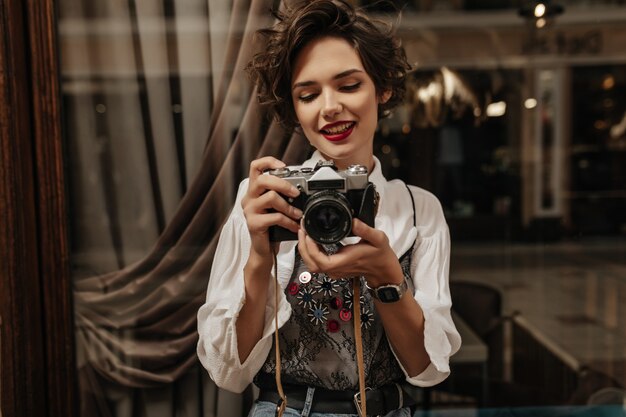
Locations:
column 217, row 344
column 430, row 264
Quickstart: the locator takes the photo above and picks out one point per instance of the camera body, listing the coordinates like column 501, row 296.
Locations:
column 329, row 199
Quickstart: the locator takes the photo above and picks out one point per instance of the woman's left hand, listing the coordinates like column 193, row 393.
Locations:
column 372, row 257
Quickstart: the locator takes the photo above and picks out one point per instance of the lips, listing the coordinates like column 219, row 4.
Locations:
column 337, row 131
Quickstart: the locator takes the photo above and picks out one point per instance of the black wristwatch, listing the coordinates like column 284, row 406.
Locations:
column 388, row 293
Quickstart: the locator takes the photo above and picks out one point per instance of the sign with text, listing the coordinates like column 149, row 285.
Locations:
column 562, row 43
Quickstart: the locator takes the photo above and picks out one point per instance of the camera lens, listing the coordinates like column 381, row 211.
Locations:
column 327, row 217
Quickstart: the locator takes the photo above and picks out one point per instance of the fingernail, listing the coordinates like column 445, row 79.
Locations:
column 294, row 191
column 297, row 213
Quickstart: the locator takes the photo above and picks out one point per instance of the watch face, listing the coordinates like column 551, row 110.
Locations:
column 388, row 295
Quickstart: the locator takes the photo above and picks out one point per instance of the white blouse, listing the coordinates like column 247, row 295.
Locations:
column 217, row 344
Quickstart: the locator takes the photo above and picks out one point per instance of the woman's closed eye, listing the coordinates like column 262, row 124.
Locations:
column 350, row 87
column 306, row 98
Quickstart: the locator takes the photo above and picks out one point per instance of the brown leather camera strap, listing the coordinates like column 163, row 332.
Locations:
column 280, row 407
column 360, row 401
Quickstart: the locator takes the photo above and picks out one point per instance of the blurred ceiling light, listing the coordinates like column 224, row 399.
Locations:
column 618, row 130
column 530, row 103
column 438, row 96
column 433, row 89
column 540, row 10
column 496, row 109
column 457, row 91
column 608, row 82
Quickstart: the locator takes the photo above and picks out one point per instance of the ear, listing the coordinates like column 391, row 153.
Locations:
column 384, row 97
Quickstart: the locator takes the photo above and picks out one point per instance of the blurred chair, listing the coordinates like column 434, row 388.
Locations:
column 597, row 388
column 608, row 396
column 480, row 306
column 523, row 370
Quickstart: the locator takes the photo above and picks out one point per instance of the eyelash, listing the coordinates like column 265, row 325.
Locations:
column 310, row 97
column 351, row 87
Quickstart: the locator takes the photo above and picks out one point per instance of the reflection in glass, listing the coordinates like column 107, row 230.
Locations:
column 522, row 138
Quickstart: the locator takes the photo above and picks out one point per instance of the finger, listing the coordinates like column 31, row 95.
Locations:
column 258, row 166
column 273, row 201
column 376, row 237
column 271, row 182
column 347, row 261
column 336, row 266
column 304, row 252
column 319, row 257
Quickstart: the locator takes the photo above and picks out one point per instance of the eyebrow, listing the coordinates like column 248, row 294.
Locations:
column 342, row 74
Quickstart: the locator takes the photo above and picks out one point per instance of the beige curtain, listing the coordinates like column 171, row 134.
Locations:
column 144, row 82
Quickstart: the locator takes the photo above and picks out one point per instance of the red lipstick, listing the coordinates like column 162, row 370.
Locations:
column 336, row 137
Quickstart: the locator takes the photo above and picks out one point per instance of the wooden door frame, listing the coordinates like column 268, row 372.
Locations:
column 37, row 353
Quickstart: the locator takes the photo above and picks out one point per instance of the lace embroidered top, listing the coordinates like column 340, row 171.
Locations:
column 317, row 343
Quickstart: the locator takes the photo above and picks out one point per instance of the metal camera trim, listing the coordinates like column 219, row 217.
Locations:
column 337, row 200
column 351, row 184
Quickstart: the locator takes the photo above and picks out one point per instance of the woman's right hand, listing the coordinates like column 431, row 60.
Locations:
column 263, row 206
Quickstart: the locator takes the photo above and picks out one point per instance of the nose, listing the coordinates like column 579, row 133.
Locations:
column 331, row 106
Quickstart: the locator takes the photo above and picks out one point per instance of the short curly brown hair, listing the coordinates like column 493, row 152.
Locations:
column 383, row 57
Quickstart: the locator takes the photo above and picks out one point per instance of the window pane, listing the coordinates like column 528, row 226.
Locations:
column 516, row 122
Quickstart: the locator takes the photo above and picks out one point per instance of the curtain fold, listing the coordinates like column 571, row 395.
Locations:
column 136, row 326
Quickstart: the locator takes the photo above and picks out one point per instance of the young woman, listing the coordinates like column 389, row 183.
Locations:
column 331, row 72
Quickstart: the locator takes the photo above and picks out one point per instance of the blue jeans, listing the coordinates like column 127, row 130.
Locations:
column 268, row 409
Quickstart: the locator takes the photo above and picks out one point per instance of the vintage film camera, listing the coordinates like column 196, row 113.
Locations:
column 329, row 199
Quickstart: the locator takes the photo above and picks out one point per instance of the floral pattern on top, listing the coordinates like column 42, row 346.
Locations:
column 317, row 342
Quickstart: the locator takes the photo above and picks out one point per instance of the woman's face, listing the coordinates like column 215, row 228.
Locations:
column 335, row 101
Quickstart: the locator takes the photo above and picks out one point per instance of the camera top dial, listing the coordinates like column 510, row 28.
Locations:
column 357, row 169
column 280, row 172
